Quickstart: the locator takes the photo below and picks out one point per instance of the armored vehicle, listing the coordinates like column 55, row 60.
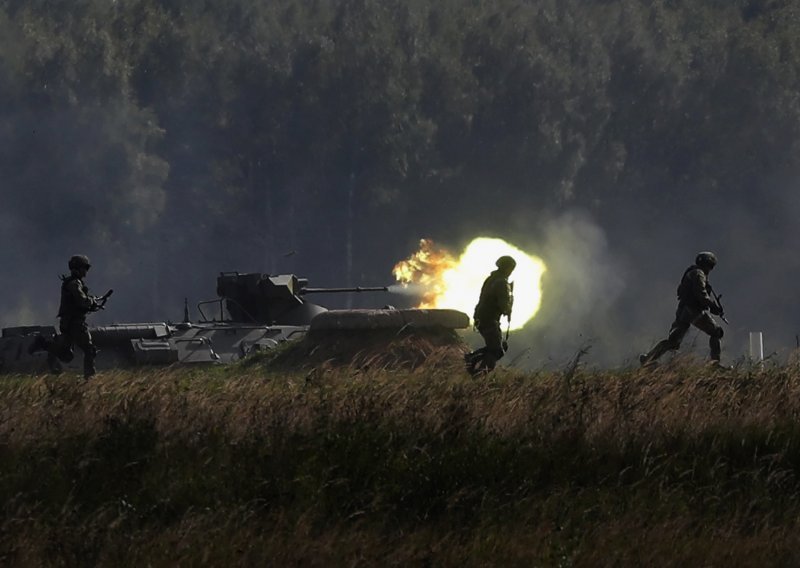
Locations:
column 252, row 312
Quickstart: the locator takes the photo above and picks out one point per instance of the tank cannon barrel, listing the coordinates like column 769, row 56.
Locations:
column 335, row 290
column 254, row 297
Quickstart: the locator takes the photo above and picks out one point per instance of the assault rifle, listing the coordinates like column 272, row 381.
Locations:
column 100, row 303
column 717, row 300
column 508, row 327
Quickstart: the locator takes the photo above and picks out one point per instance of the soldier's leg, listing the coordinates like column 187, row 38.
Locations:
column 52, row 354
column 493, row 352
column 65, row 341
column 475, row 359
column 715, row 332
column 673, row 341
column 60, row 349
column 83, row 339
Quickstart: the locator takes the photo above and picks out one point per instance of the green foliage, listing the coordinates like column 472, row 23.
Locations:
column 270, row 115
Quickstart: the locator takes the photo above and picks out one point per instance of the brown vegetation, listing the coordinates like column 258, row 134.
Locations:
column 356, row 466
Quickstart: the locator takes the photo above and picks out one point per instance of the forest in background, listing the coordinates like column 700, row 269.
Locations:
column 171, row 140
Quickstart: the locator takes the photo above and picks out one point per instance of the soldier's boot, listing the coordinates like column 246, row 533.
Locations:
column 53, row 363
column 645, row 361
column 715, row 347
column 89, row 369
column 475, row 362
column 487, row 363
column 472, row 358
column 650, row 358
column 473, row 366
column 716, row 351
column 478, row 369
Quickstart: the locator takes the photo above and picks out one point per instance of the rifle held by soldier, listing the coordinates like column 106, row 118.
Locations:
column 100, row 302
column 510, row 305
column 718, row 302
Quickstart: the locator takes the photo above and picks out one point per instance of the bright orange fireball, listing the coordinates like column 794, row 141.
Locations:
column 450, row 282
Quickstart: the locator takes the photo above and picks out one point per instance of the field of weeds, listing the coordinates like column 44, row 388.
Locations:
column 344, row 466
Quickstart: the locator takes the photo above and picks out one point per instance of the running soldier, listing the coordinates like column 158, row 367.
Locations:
column 76, row 303
column 695, row 301
column 496, row 300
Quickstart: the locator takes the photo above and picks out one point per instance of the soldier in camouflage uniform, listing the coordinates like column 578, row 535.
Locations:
column 496, row 300
column 76, row 303
column 695, row 301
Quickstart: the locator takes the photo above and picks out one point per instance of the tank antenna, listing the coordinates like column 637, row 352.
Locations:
column 186, row 310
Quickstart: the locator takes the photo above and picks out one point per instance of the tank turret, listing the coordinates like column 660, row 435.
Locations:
column 272, row 300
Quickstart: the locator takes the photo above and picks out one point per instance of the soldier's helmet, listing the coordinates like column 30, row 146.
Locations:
column 706, row 259
column 79, row 261
column 506, row 263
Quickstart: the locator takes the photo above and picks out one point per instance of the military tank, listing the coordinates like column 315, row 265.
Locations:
column 252, row 312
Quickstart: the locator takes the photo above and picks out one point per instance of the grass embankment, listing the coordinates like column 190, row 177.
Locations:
column 343, row 466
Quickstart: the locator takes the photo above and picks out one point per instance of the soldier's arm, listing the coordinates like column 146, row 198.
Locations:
column 503, row 296
column 699, row 290
column 81, row 299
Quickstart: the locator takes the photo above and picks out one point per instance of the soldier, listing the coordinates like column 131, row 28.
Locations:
column 76, row 303
column 695, row 300
column 496, row 300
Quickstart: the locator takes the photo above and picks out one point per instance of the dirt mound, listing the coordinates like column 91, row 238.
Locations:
column 382, row 348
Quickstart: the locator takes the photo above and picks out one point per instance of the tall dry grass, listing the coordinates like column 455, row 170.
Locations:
column 359, row 465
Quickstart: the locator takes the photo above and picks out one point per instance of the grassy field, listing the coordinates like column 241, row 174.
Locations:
column 241, row 465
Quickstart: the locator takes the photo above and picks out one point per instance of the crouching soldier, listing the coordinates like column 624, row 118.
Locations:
column 695, row 301
column 496, row 300
column 76, row 303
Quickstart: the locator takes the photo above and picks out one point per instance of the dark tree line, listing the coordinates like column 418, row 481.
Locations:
column 225, row 135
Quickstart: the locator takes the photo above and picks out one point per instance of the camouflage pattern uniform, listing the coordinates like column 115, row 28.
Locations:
column 76, row 303
column 694, row 304
column 496, row 300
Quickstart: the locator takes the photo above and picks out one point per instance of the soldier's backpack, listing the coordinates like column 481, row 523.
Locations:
column 684, row 288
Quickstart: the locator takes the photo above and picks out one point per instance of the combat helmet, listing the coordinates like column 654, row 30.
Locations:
column 506, row 263
column 79, row 261
column 706, row 259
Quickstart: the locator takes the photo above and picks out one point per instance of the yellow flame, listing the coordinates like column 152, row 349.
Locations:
column 448, row 282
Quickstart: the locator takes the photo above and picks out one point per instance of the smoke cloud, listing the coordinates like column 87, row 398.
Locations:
column 411, row 289
column 580, row 291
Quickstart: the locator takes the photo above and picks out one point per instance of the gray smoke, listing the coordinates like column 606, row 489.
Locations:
column 583, row 283
column 412, row 289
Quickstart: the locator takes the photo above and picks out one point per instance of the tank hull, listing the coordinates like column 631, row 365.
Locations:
column 204, row 343
column 131, row 345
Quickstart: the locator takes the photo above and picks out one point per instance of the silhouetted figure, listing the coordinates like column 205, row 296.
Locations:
column 496, row 300
column 695, row 301
column 76, row 303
